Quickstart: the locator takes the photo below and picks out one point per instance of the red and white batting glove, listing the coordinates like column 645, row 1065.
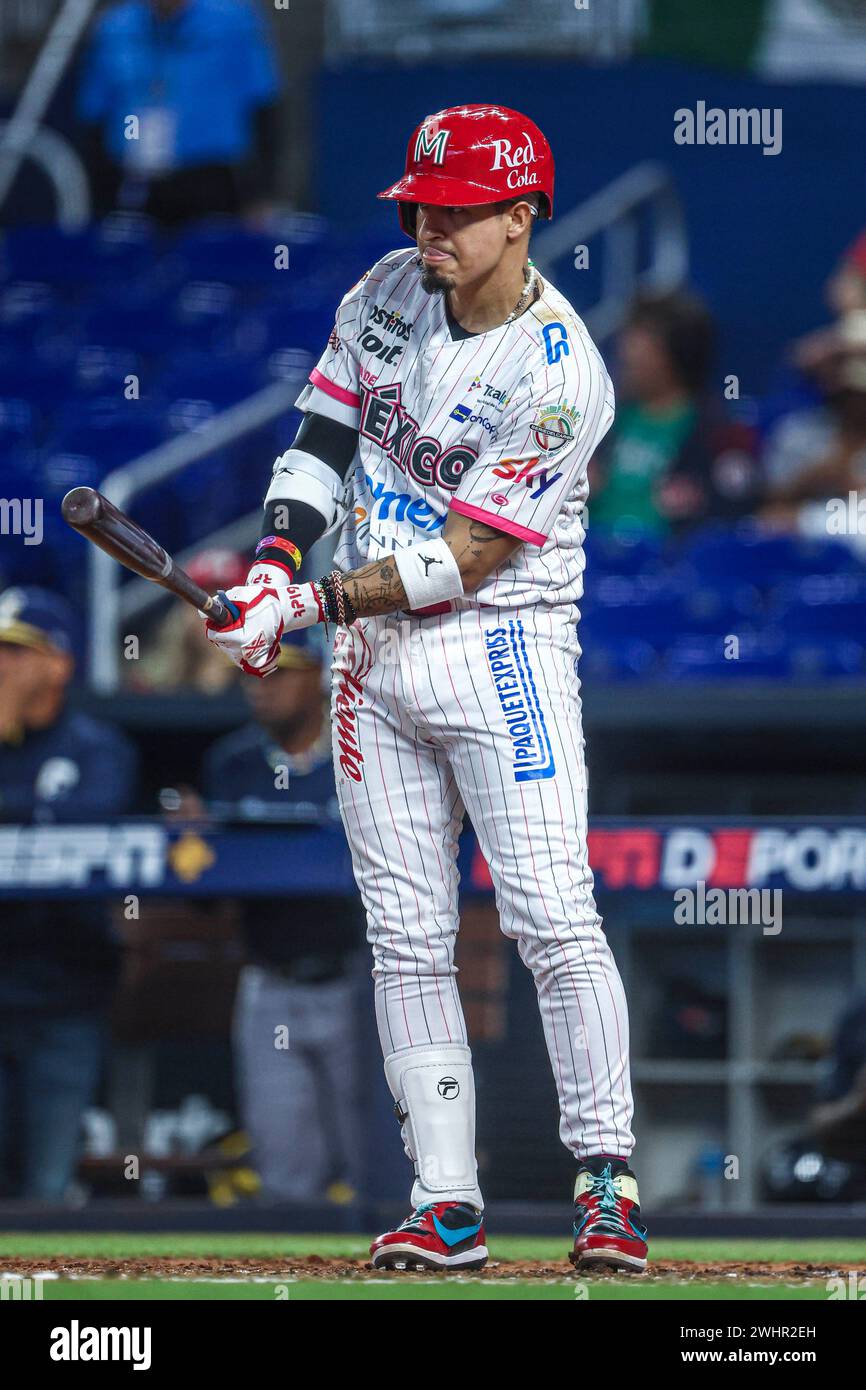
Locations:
column 263, row 614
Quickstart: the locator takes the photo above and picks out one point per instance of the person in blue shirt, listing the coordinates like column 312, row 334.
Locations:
column 296, row 1030
column 58, row 958
column 178, row 99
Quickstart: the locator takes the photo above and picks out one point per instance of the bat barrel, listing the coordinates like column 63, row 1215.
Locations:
column 81, row 506
column 96, row 518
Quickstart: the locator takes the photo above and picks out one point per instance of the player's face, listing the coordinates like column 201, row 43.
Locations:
column 458, row 245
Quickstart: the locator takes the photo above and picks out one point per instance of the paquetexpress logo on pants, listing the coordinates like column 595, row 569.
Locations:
column 518, row 699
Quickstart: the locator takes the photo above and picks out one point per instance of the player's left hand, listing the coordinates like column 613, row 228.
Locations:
column 252, row 641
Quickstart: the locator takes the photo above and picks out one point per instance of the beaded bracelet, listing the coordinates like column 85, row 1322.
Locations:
column 336, row 604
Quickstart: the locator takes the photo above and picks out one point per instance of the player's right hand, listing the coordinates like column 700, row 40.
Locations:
column 263, row 613
column 252, row 641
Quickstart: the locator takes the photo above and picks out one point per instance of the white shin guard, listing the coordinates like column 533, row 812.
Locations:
column 435, row 1093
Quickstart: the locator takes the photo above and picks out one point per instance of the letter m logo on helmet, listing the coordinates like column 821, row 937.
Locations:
column 431, row 143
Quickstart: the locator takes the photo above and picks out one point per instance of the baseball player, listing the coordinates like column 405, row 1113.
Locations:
column 460, row 397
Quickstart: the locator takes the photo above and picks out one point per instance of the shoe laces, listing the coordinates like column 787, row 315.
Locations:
column 417, row 1217
column 610, row 1215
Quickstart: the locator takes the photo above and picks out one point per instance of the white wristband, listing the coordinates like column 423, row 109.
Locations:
column 429, row 573
column 300, row 606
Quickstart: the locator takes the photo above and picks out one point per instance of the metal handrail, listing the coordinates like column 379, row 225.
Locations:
column 124, row 484
column 63, row 167
column 612, row 212
column 23, row 129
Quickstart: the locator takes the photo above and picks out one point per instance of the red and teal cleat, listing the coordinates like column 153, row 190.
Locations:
column 438, row 1235
column 608, row 1233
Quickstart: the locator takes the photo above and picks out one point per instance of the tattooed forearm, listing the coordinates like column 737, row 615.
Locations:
column 375, row 589
column 472, row 544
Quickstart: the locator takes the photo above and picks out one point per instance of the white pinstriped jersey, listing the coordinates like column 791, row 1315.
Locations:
column 498, row 425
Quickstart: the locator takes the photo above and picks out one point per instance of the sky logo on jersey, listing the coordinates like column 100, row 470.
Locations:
column 527, row 472
column 532, row 756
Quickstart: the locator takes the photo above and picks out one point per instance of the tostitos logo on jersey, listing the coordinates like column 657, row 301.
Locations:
column 532, row 756
column 387, row 423
column 555, row 427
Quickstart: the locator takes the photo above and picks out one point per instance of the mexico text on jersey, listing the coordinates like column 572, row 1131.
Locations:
column 500, row 426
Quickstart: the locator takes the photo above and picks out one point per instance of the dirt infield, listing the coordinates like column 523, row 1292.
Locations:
column 319, row 1267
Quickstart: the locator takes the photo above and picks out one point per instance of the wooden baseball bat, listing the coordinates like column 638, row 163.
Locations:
column 91, row 514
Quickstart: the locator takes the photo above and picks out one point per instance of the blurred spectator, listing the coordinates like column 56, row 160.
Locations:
column 58, row 958
column 845, row 293
column 818, row 454
column 299, row 1099
column 671, row 460
column 173, row 656
column 199, row 79
column 839, row 1118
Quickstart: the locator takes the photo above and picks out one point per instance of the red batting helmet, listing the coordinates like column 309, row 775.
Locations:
column 467, row 155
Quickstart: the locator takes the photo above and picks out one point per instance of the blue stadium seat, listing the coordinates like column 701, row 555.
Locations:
column 823, row 606
column 201, row 313
column 281, row 325
column 753, row 556
column 626, row 555
column 100, row 369
column 139, row 324
column 629, row 659
column 221, row 380
column 700, row 657
column 617, row 609
column 117, row 249
column 28, row 377
column 827, row 659
column 107, row 429
column 721, row 608
column 221, row 249
column 19, row 424
column 26, row 308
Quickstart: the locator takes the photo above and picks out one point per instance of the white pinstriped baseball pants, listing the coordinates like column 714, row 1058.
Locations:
column 480, row 709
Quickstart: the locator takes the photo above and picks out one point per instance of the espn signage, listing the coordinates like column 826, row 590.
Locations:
column 82, row 856
column 625, row 857
column 642, row 857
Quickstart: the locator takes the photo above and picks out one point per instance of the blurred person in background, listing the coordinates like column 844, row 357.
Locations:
column 817, row 452
column 299, row 1102
column 199, row 78
column 58, row 958
column 815, row 462
column 838, row 1120
column 671, row 460
column 170, row 651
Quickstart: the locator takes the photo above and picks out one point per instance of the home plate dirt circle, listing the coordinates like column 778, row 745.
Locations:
column 326, row 1268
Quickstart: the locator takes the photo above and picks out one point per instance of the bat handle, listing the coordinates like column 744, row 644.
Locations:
column 220, row 611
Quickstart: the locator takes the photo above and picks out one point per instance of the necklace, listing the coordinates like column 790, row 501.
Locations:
column 531, row 276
